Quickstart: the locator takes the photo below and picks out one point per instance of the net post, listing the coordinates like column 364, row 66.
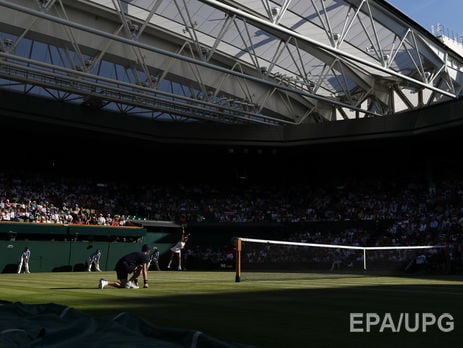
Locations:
column 238, row 260
column 364, row 259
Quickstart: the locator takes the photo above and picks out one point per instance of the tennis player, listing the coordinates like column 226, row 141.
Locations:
column 176, row 250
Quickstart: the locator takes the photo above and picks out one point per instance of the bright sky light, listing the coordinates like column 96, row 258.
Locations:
column 429, row 13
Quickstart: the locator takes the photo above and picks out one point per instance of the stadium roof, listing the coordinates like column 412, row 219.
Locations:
column 227, row 63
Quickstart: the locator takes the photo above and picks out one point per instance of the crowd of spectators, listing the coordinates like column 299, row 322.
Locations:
column 419, row 209
column 417, row 205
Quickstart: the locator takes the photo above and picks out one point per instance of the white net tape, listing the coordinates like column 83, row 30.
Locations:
column 349, row 247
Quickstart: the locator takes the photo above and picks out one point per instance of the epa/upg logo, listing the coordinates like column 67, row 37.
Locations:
column 401, row 322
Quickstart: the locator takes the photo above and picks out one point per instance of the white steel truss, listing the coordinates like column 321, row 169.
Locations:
column 250, row 61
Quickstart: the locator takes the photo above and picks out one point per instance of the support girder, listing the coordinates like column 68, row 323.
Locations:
column 267, row 63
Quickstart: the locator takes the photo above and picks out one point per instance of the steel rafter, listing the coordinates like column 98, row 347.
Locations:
column 265, row 62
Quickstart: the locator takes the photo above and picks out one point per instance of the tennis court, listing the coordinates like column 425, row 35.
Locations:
column 264, row 309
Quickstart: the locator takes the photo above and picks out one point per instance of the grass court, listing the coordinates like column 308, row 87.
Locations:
column 264, row 309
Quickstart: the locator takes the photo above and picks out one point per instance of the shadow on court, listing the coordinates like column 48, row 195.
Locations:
column 307, row 317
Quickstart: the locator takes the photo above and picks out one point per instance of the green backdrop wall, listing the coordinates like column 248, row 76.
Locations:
column 66, row 248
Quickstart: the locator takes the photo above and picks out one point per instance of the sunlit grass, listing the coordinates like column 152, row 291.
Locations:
column 264, row 309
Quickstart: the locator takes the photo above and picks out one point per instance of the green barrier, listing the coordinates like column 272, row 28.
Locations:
column 13, row 229
column 57, row 248
column 48, row 256
column 44, row 255
column 89, row 230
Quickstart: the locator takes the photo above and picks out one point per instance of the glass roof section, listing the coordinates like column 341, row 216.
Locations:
column 232, row 62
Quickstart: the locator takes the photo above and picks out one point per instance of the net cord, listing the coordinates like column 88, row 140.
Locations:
column 333, row 246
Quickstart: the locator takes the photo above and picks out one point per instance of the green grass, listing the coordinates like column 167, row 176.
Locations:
column 264, row 309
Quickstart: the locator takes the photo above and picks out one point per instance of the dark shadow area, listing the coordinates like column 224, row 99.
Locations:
column 65, row 268
column 49, row 324
column 309, row 317
column 80, row 267
column 10, row 268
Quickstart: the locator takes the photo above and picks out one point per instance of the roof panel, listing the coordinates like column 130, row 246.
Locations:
column 322, row 43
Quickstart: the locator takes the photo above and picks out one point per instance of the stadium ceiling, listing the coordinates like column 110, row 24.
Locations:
column 259, row 62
